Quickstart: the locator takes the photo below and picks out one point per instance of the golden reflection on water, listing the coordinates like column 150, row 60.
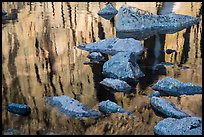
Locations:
column 40, row 58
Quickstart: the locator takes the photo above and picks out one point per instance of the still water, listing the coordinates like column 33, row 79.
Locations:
column 40, row 58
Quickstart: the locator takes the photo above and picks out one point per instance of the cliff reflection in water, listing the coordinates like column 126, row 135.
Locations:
column 40, row 58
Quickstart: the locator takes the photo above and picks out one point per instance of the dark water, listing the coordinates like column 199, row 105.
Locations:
column 40, row 58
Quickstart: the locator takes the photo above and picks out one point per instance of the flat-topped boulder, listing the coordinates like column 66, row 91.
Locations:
column 123, row 66
column 114, row 45
column 184, row 126
column 71, row 107
column 108, row 12
column 172, row 87
column 144, row 24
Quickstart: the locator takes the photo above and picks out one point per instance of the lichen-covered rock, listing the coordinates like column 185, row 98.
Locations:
column 108, row 12
column 111, row 107
column 172, row 87
column 116, row 85
column 96, row 56
column 155, row 94
column 71, row 107
column 123, row 66
column 114, row 45
column 165, row 108
column 20, row 109
column 184, row 126
column 145, row 24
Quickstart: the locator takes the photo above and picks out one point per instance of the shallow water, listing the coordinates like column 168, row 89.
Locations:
column 40, row 58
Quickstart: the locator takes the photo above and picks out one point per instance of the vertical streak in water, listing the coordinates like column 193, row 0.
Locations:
column 53, row 9
column 101, row 33
column 62, row 11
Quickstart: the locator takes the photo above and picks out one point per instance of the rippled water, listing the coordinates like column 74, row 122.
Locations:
column 40, row 58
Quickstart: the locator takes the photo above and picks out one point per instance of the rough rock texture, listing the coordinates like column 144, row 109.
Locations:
column 145, row 24
column 156, row 94
column 123, row 66
column 116, row 85
column 96, row 56
column 108, row 12
column 71, row 107
column 172, row 87
column 165, row 108
column 184, row 126
column 111, row 107
column 114, row 45
column 20, row 109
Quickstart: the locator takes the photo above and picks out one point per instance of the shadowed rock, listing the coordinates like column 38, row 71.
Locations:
column 108, row 12
column 165, row 108
column 144, row 24
column 71, row 107
column 114, row 45
column 115, row 85
column 111, row 107
column 96, row 56
column 172, row 87
column 20, row 109
column 169, row 51
column 184, row 126
column 155, row 94
column 123, row 66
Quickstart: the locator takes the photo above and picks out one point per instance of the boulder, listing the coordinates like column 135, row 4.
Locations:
column 172, row 87
column 108, row 12
column 96, row 56
column 71, row 107
column 20, row 109
column 155, row 94
column 184, row 126
column 165, row 108
column 111, row 107
column 116, row 85
column 114, row 45
column 123, row 66
column 144, row 24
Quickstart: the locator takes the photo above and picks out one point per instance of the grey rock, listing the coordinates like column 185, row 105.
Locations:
column 155, row 94
column 108, row 12
column 96, row 56
column 71, row 107
column 111, row 107
column 114, row 45
column 144, row 24
column 123, row 66
column 116, row 85
column 172, row 87
column 20, row 109
column 184, row 126
column 165, row 108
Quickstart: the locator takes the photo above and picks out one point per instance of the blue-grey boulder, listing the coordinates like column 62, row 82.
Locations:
column 71, row 107
column 96, row 56
column 114, row 45
column 172, row 87
column 123, row 66
column 184, row 126
column 111, row 107
column 20, row 109
column 165, row 108
column 108, row 12
column 116, row 85
column 155, row 94
column 144, row 24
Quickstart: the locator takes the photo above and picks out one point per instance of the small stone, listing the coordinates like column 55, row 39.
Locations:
column 20, row 109
column 169, row 51
column 108, row 12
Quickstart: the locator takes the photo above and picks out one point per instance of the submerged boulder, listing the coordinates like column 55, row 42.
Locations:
column 20, row 109
column 144, row 24
column 115, row 85
column 165, row 108
column 108, row 12
column 184, row 126
column 111, row 107
column 114, row 45
column 123, row 66
column 172, row 87
column 71, row 107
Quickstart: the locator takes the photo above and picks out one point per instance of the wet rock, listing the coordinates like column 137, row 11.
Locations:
column 145, row 24
column 71, row 107
column 169, row 51
column 184, row 126
column 165, row 108
column 155, row 94
column 111, row 107
column 172, row 87
column 123, row 66
column 4, row 12
column 20, row 109
column 96, row 56
column 114, row 45
column 108, row 12
column 116, row 85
